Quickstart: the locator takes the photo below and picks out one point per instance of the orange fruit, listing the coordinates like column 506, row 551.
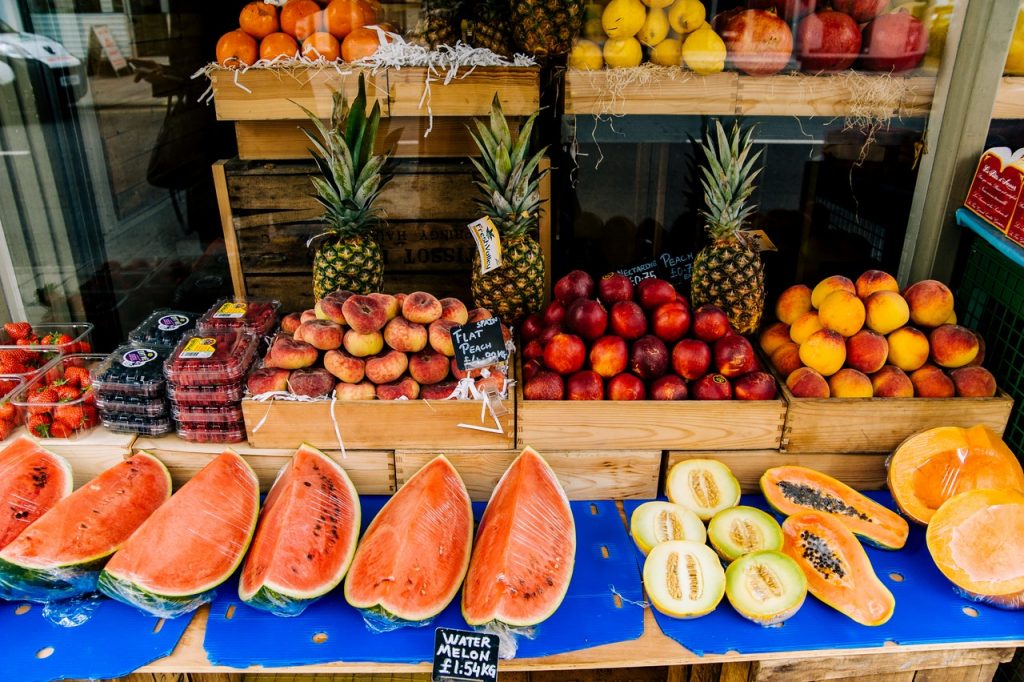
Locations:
column 361, row 42
column 278, row 45
column 299, row 18
column 343, row 16
column 236, row 48
column 321, row 44
column 258, row 19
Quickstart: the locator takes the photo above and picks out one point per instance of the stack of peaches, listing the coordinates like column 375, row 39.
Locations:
column 864, row 339
column 302, row 28
column 375, row 346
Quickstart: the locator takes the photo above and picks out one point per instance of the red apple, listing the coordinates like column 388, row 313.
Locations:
column 861, row 11
column 554, row 313
column 587, row 317
column 893, row 42
column 533, row 350
column 755, row 386
column 609, row 356
column 710, row 323
column 585, row 385
column 733, row 355
column 653, row 292
column 550, row 333
column 712, row 387
column 565, row 354
column 691, row 359
column 627, row 320
column 531, row 327
column 668, row 387
column 649, row 357
column 626, row 387
column 544, row 385
column 576, row 284
column 827, row 41
column 614, row 287
column 790, row 10
column 758, row 43
column 671, row 321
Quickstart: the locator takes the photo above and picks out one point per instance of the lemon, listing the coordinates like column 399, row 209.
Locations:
column 620, row 53
column 658, row 4
column 686, row 15
column 623, row 18
column 655, row 29
column 1015, row 58
column 586, row 55
column 704, row 52
column 668, row 52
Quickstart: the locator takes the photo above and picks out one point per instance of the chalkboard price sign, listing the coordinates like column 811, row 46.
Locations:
column 479, row 344
column 464, row 655
column 673, row 267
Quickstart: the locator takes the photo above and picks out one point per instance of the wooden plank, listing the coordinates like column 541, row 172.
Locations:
column 375, row 424
column 827, row 95
column 586, row 475
column 372, row 471
column 669, row 93
column 1009, row 98
column 295, row 291
column 970, row 673
column 892, row 661
column 544, row 225
column 273, row 94
column 468, row 94
column 892, row 677
column 862, row 472
column 220, row 186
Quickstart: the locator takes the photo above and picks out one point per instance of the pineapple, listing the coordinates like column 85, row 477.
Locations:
column 728, row 272
column 438, row 23
column 546, row 27
column 347, row 253
column 490, row 27
column 510, row 183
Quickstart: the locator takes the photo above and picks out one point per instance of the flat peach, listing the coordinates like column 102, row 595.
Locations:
column 828, row 285
column 386, row 367
column 804, row 326
column 866, row 351
column 774, row 336
column 363, row 345
column 892, row 382
column 824, row 351
column 792, row 303
column 850, row 383
column 807, row 383
column 886, row 311
column 908, row 348
column 930, row 301
column 842, row 312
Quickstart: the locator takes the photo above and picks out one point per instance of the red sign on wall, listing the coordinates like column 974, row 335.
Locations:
column 997, row 186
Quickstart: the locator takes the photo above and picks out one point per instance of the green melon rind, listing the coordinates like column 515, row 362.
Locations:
column 766, row 619
column 726, row 549
column 276, row 597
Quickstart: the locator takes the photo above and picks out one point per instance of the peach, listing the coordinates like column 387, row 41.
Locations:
column 892, row 382
column 391, row 306
column 406, row 387
column 930, row 301
column 332, row 306
column 584, row 385
column 440, row 333
column 455, row 310
column 979, row 359
column 312, row 383
column 804, row 326
column 386, row 367
column 773, row 337
column 733, row 356
column 973, row 382
column 545, row 385
column 477, row 314
column 908, row 348
column 755, row 386
column 308, row 315
column 828, row 285
column 691, row 359
column 428, row 367
column 348, row 368
column 793, row 302
column 318, row 310
column 288, row 353
column 494, row 381
column 321, row 334
column 932, row 382
column 886, row 311
column 439, row 391
column 951, row 319
column 565, row 354
column 866, row 351
column 668, row 387
column 365, row 314
column 463, row 373
column 401, row 301
column 807, row 383
column 953, row 346
column 842, row 312
column 609, row 356
column 626, row 386
column 419, row 306
column 406, row 336
column 364, row 390
column 712, row 387
column 786, row 358
column 267, row 380
column 363, row 345
column 291, row 322
column 875, row 280
column 850, row 383
column 824, row 351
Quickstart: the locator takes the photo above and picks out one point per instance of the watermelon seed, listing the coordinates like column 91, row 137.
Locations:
column 320, row 637
column 22, row 609
column 158, row 627
column 307, row 484
column 970, row 611
column 230, row 613
column 45, row 652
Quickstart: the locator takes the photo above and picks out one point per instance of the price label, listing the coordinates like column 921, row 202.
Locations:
column 479, row 344
column 672, row 267
column 464, row 655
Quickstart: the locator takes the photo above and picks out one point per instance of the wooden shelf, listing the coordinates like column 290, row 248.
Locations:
column 1009, row 98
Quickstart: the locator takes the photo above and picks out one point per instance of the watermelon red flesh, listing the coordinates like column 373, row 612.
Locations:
column 61, row 554
column 306, row 536
column 414, row 554
column 195, row 540
column 32, row 480
column 525, row 548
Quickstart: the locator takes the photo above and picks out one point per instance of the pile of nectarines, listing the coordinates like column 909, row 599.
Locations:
column 613, row 340
column 860, row 339
column 376, row 346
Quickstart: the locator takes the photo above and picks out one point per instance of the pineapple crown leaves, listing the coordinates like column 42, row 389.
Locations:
column 509, row 180
column 728, row 180
column 352, row 175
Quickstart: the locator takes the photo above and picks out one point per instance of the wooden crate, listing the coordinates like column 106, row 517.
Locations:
column 376, row 424
column 372, row 471
column 590, row 475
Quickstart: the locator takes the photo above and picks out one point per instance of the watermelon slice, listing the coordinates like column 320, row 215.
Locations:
column 306, row 537
column 32, row 479
column 191, row 544
column 61, row 554
column 525, row 548
column 414, row 555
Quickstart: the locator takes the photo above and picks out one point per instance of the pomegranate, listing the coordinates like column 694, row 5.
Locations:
column 759, row 43
column 827, row 41
column 790, row 10
column 893, row 42
column 860, row 11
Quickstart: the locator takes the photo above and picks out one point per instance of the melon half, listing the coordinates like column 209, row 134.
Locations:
column 32, row 480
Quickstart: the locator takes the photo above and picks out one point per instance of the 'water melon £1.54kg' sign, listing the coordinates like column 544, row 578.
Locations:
column 464, row 655
column 479, row 344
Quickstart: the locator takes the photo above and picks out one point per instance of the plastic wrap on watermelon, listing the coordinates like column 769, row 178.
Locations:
column 191, row 544
column 378, row 621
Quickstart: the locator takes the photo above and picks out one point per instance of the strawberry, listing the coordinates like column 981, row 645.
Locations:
column 11, row 366
column 60, row 430
column 6, row 428
column 18, row 330
column 8, row 412
column 77, row 376
column 84, row 347
column 55, row 339
column 39, row 425
column 66, row 393
column 72, row 415
column 16, row 355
